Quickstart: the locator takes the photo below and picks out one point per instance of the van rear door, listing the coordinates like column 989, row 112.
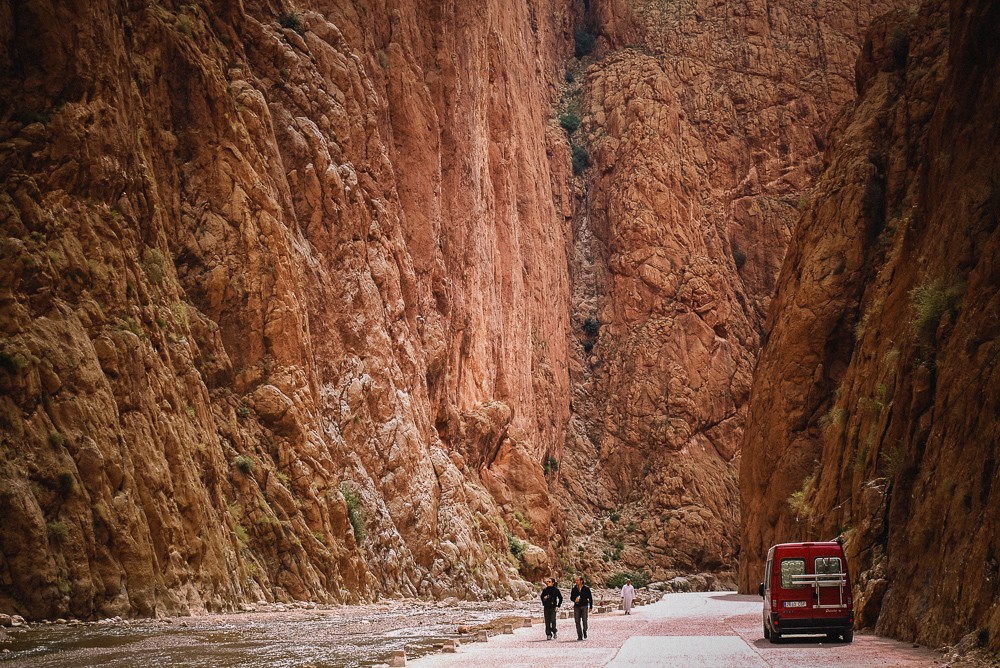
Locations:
column 830, row 585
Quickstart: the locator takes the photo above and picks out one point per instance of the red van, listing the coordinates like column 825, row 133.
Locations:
column 807, row 590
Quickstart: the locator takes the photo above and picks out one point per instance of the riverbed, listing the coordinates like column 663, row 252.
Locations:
column 294, row 637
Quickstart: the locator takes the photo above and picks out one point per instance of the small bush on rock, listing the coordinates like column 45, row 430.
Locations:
column 639, row 579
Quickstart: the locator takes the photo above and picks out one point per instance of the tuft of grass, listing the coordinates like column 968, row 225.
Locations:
column 551, row 465
column 242, row 535
column 56, row 439
column 835, row 418
column 930, row 302
column 244, row 464
column 893, row 462
column 243, row 412
column 292, row 21
column 799, row 500
column 355, row 513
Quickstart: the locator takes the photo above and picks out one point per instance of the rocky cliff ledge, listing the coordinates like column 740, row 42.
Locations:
column 282, row 300
column 703, row 125
column 875, row 411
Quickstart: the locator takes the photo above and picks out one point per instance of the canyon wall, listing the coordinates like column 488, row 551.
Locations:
column 282, row 301
column 875, row 410
column 703, row 124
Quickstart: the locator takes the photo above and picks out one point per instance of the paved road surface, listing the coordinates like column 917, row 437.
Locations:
column 710, row 630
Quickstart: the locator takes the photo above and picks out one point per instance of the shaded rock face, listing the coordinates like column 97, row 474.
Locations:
column 282, row 301
column 703, row 124
column 874, row 410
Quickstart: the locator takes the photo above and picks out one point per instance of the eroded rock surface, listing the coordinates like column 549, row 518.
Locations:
column 874, row 411
column 277, row 308
column 704, row 125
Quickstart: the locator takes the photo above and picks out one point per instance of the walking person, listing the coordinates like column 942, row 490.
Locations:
column 551, row 599
column 583, row 603
column 628, row 595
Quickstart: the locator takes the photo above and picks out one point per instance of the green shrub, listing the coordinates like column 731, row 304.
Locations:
column 241, row 534
column 12, row 363
column 551, row 465
column 517, row 547
column 58, row 531
column 244, row 464
column 639, row 579
column 930, row 301
column 243, row 412
column 154, row 263
column 584, row 42
column 615, row 516
column 66, row 483
column 740, row 258
column 355, row 513
column 591, row 326
column 292, row 21
column 569, row 121
column 581, row 159
column 56, row 439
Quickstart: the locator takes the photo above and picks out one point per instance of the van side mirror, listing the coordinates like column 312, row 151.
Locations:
column 760, row 590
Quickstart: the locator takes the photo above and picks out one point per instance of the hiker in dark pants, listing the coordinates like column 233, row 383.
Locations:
column 551, row 599
column 583, row 603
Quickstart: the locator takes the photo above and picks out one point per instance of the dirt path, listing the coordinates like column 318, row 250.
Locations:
column 717, row 630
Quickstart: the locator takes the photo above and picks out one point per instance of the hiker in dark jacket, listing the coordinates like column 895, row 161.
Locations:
column 583, row 603
column 551, row 599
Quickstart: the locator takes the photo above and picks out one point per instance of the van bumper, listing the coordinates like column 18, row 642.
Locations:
column 790, row 625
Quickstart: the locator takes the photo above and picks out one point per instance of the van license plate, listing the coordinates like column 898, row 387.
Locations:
column 795, row 604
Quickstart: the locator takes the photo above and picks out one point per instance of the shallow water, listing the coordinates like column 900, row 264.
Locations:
column 347, row 637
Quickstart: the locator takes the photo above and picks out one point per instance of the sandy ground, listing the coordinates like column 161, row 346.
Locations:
column 710, row 630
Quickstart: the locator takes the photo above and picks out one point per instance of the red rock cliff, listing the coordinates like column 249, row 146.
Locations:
column 282, row 300
column 704, row 125
column 874, row 410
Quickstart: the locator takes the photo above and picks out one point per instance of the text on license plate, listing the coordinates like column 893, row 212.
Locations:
column 795, row 604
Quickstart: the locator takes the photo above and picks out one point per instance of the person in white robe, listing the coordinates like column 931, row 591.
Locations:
column 628, row 595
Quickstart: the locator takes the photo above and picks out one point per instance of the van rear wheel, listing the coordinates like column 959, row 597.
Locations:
column 849, row 635
column 775, row 637
column 767, row 632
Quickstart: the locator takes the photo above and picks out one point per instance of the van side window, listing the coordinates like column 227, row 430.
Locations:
column 790, row 567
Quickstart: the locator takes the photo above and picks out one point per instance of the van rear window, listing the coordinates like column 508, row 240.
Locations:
column 827, row 565
column 790, row 567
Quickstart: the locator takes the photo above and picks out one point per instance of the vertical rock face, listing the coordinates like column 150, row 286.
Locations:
column 282, row 300
column 874, row 411
column 703, row 123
